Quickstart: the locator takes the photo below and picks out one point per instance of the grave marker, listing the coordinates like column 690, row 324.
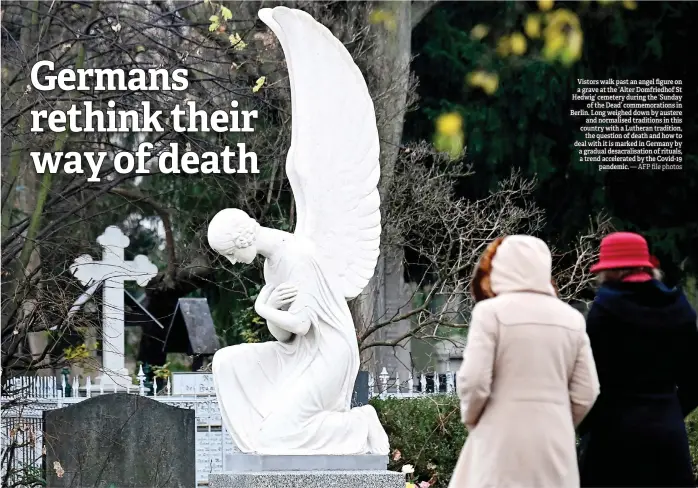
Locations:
column 113, row 270
column 128, row 441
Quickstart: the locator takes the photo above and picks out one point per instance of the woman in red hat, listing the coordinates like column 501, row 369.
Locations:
column 644, row 337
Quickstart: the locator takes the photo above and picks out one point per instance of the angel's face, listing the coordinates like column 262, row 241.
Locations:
column 245, row 255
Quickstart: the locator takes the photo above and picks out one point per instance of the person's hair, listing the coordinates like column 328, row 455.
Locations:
column 619, row 274
column 481, row 284
column 232, row 229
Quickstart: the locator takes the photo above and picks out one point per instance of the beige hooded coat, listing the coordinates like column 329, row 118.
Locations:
column 528, row 378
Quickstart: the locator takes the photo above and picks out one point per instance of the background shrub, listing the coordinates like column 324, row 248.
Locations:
column 427, row 433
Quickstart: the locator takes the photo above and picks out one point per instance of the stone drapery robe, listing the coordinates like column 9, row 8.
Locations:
column 294, row 397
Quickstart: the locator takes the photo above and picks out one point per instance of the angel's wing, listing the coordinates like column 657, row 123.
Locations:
column 333, row 160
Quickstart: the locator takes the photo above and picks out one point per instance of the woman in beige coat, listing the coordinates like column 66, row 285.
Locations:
column 528, row 376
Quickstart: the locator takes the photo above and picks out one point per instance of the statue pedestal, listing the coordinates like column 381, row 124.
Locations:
column 258, row 463
column 261, row 471
column 308, row 479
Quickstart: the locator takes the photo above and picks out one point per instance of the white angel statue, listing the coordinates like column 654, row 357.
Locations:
column 293, row 395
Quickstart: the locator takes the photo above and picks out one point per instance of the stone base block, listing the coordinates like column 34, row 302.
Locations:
column 256, row 463
column 308, row 479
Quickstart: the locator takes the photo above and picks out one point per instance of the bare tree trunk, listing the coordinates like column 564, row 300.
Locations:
column 386, row 294
column 24, row 178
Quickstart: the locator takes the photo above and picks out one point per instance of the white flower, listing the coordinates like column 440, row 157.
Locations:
column 116, row 27
column 408, row 469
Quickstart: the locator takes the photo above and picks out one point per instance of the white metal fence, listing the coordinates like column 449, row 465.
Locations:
column 22, row 415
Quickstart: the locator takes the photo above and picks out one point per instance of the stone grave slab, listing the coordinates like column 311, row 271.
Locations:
column 121, row 440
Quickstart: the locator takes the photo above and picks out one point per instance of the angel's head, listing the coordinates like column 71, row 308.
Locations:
column 233, row 233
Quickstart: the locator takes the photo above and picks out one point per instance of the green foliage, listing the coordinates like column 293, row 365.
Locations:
column 427, row 433
column 526, row 122
column 238, row 322
column 175, row 365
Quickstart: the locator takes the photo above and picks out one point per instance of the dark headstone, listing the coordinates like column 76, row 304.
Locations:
column 178, row 325
column 192, row 330
column 360, row 395
column 120, row 440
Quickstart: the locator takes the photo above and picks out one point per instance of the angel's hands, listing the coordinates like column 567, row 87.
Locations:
column 282, row 323
column 284, row 294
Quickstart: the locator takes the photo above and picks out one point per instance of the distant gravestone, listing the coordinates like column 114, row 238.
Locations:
column 191, row 330
column 120, row 440
column 360, row 395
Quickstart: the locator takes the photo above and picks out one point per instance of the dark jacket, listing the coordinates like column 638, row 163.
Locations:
column 644, row 337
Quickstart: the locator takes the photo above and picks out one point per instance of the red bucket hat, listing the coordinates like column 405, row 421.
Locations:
column 623, row 250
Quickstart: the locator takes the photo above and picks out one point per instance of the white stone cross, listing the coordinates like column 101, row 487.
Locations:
column 113, row 271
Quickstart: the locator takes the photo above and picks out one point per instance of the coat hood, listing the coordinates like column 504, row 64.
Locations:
column 522, row 263
column 649, row 303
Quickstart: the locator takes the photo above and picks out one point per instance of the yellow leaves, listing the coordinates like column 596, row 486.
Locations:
column 503, row 46
column 215, row 19
column 449, row 124
column 561, row 18
column 563, row 37
column 545, row 5
column 489, row 82
column 554, row 43
column 384, row 17
column 257, row 320
column 453, row 146
column 162, row 372
column 449, row 137
column 76, row 354
column 140, row 49
column 573, row 49
column 258, row 84
column 532, row 26
column 249, row 336
column 215, row 23
column 377, row 16
column 560, row 30
column 237, row 42
column 628, row 4
column 479, row 32
column 517, row 43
